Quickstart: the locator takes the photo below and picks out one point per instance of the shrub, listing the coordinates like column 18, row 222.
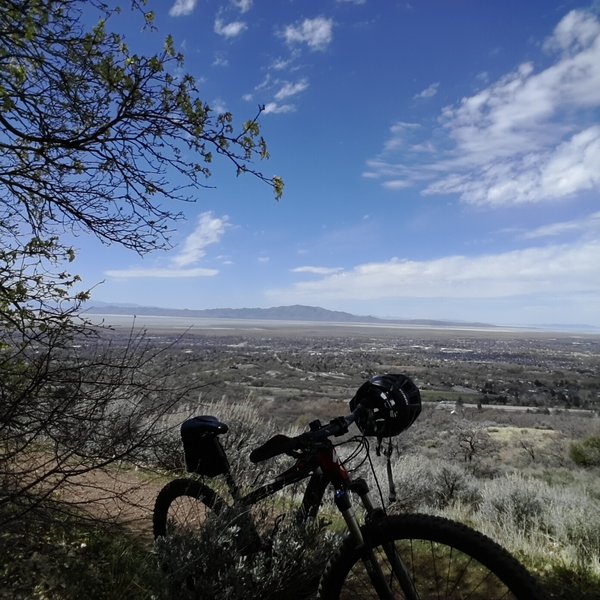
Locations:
column 584, row 536
column 548, row 526
column 452, row 484
column 412, row 479
column 515, row 503
column 423, row 484
column 587, row 452
column 42, row 558
column 210, row 565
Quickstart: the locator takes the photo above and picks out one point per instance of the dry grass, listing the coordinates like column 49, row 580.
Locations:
column 510, row 434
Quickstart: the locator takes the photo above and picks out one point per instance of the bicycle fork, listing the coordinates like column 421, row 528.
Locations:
column 374, row 569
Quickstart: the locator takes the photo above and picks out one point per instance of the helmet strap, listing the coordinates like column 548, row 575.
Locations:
column 378, row 447
column 390, row 475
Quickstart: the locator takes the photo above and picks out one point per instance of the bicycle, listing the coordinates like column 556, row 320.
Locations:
column 405, row 556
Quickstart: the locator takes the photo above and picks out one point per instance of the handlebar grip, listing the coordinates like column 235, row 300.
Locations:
column 282, row 444
column 278, row 444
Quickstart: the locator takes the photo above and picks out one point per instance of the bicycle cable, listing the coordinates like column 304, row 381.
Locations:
column 361, row 442
column 388, row 460
column 379, row 490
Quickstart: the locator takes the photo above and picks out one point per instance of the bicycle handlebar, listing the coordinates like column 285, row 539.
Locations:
column 283, row 444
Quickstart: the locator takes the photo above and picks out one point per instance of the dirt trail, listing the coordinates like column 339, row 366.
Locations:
column 121, row 496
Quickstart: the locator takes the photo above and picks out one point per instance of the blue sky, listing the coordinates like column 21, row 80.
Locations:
column 441, row 160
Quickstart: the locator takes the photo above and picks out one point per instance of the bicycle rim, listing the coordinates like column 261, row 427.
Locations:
column 182, row 508
column 439, row 559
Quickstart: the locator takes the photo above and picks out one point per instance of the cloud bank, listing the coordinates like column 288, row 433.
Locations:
column 518, row 272
column 530, row 137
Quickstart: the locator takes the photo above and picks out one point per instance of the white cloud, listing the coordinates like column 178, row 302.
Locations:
column 229, row 30
column 242, row 5
column 280, row 63
column 317, row 270
column 291, row 89
column 532, row 136
column 428, row 92
column 351, row 1
column 576, row 31
column 160, row 273
column 400, row 133
column 220, row 61
column 274, row 108
column 209, row 230
column 315, row 33
column 218, row 105
column 572, row 166
column 566, row 268
column 397, row 184
column 591, row 223
column 182, row 8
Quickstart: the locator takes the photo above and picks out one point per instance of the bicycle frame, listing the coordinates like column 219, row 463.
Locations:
column 323, row 468
column 302, row 469
column 326, row 468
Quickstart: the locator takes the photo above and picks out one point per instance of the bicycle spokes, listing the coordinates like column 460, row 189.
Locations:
column 425, row 570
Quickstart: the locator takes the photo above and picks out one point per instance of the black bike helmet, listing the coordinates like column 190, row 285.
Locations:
column 394, row 403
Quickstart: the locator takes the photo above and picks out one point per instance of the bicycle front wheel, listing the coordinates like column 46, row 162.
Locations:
column 421, row 557
column 182, row 506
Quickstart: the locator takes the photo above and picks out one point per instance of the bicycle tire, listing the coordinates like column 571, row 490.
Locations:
column 445, row 560
column 182, row 506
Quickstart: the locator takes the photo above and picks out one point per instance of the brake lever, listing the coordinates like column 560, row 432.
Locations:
column 342, row 423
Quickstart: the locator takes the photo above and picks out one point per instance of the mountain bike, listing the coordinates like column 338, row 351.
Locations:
column 404, row 556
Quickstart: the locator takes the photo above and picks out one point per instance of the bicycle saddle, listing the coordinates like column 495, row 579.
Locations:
column 204, row 424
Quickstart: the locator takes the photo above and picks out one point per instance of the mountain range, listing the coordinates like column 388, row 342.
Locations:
column 296, row 312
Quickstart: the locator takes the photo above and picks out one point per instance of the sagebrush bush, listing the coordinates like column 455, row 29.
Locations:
column 211, row 565
column 546, row 525
column 452, row 484
column 43, row 558
column 423, row 484
column 515, row 503
column 587, row 452
column 551, row 525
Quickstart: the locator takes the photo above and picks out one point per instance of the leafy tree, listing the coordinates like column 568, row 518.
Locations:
column 94, row 139
column 93, row 134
